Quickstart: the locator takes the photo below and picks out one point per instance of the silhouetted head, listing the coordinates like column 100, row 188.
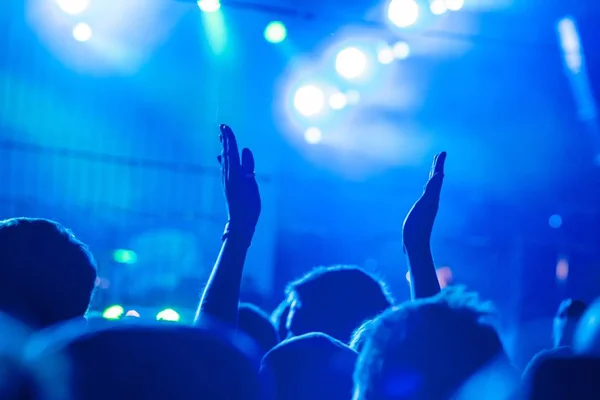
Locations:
column 255, row 323
column 312, row 366
column 46, row 274
column 426, row 349
column 335, row 301
column 565, row 322
column 279, row 318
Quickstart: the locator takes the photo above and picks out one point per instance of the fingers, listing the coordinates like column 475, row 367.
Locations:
column 231, row 154
column 439, row 162
column 248, row 163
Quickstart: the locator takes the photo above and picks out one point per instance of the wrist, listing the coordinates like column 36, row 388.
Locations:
column 238, row 234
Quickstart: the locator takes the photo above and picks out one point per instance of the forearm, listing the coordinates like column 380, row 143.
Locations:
column 423, row 282
column 221, row 295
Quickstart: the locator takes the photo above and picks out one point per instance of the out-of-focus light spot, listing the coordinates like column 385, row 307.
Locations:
column 168, row 315
column 337, row 101
column 351, row 63
column 352, row 96
column 401, row 50
column 209, row 6
column 73, row 7
column 132, row 313
column 309, row 100
column 385, row 55
column 438, row 7
column 82, row 32
column 455, row 5
column 403, row 13
column 313, row 135
column 123, row 256
column 113, row 312
column 571, row 46
column 562, row 269
column 275, row 32
column 555, row 221
column 444, row 276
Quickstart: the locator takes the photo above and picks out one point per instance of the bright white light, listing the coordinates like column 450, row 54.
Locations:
column 209, row 6
column 455, row 5
column 309, row 100
column 73, row 7
column 385, row 55
column 313, row 135
column 351, row 63
column 403, row 13
column 401, row 50
column 438, row 7
column 352, row 96
column 337, row 101
column 82, row 32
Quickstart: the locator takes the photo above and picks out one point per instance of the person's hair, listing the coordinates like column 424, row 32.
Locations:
column 426, row 349
column 565, row 321
column 335, row 300
column 279, row 318
column 46, row 274
column 360, row 334
column 256, row 323
column 312, row 366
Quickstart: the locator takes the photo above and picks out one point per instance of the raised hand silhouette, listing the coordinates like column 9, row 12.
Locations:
column 240, row 187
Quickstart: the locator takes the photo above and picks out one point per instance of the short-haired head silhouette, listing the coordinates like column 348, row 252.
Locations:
column 335, row 300
column 426, row 349
column 46, row 274
column 255, row 323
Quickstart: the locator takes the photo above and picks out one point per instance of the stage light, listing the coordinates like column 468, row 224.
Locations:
column 123, row 256
column 337, row 101
column 313, row 135
column 455, row 5
column 438, row 7
column 309, row 100
column 351, row 63
column 555, row 221
column 132, row 314
column 385, row 55
column 113, row 312
column 403, row 13
column 275, row 32
column 82, row 32
column 401, row 50
column 168, row 315
column 209, row 6
column 73, row 7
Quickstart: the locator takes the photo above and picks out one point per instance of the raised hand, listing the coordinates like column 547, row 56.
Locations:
column 418, row 224
column 240, row 187
column 416, row 233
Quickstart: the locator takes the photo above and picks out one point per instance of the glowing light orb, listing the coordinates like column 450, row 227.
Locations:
column 309, row 100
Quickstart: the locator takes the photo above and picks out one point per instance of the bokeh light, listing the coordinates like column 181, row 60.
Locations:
column 275, row 32
column 123, row 256
column 562, row 269
column 313, row 135
column 351, row 63
column 132, row 314
column 555, row 221
column 455, row 5
column 82, row 32
column 401, row 50
column 73, row 7
column 309, row 100
column 113, row 312
column 403, row 13
column 168, row 315
column 438, row 7
column 385, row 55
column 337, row 101
column 209, row 6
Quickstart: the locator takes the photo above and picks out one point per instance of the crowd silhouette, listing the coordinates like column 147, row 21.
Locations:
column 337, row 334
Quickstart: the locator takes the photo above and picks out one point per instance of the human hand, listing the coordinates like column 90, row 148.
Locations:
column 240, row 187
column 418, row 224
